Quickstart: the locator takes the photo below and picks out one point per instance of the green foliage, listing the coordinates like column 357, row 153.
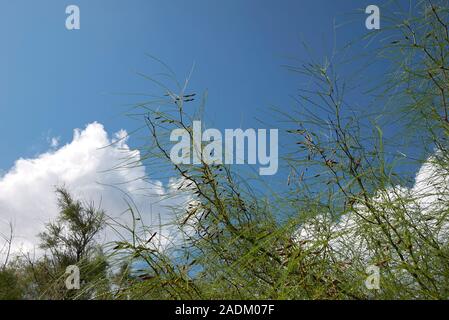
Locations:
column 70, row 240
column 10, row 288
column 346, row 204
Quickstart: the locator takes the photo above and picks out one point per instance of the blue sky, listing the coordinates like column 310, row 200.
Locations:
column 54, row 80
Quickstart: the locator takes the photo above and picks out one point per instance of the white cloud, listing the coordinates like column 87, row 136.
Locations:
column 425, row 203
column 89, row 166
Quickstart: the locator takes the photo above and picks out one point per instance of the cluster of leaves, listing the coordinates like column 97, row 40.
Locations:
column 68, row 241
column 348, row 205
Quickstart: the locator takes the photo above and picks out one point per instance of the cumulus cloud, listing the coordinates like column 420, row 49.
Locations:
column 94, row 167
column 425, row 204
